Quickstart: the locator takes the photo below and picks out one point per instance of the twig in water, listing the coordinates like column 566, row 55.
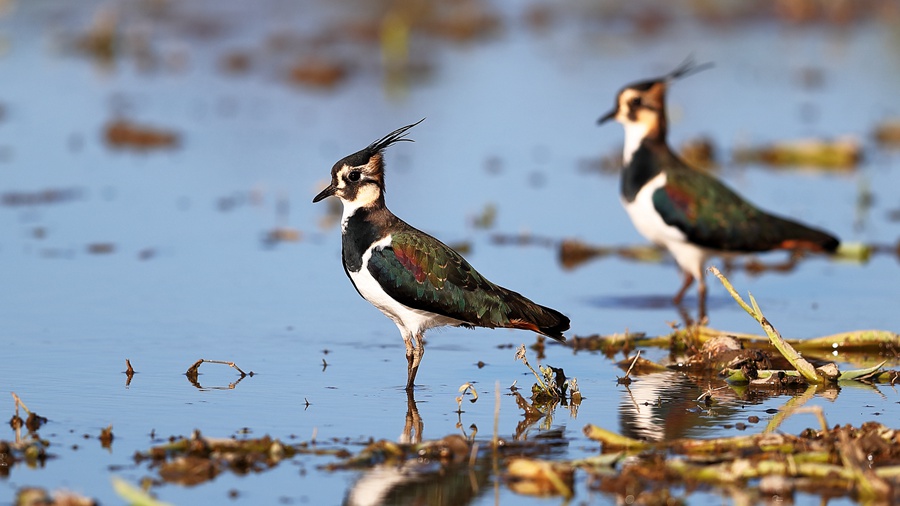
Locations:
column 626, row 380
column 193, row 370
column 19, row 403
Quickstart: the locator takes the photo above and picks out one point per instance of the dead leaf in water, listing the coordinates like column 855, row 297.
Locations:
column 540, row 477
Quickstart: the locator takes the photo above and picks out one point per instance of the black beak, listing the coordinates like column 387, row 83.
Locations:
column 608, row 116
column 327, row 192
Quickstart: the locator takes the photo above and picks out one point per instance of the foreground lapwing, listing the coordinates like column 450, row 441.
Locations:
column 414, row 279
column 690, row 213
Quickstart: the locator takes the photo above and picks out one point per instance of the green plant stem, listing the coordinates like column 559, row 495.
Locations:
column 787, row 351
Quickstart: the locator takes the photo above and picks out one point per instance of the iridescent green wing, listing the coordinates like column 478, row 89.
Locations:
column 423, row 273
column 711, row 214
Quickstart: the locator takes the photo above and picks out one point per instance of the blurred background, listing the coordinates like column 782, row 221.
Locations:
column 158, row 159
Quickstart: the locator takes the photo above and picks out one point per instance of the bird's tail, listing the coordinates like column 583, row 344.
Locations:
column 797, row 236
column 527, row 315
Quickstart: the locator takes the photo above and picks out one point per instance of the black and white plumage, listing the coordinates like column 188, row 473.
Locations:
column 690, row 213
column 414, row 279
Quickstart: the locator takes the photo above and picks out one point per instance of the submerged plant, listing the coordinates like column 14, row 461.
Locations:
column 552, row 384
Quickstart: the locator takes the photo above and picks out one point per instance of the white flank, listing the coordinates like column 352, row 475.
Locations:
column 650, row 224
column 412, row 320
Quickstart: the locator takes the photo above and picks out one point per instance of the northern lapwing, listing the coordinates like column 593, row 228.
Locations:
column 690, row 213
column 414, row 279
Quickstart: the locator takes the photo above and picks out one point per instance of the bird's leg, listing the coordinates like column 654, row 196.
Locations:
column 417, row 352
column 688, row 281
column 410, row 357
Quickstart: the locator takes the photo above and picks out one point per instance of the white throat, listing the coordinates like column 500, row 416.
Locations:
column 635, row 132
column 350, row 209
column 366, row 196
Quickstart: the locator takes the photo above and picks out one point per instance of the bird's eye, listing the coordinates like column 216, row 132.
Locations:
column 635, row 102
column 353, row 176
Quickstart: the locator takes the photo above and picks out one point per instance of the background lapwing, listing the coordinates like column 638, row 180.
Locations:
column 414, row 279
column 690, row 213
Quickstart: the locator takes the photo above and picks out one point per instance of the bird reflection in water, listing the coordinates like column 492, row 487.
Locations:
column 439, row 473
column 668, row 405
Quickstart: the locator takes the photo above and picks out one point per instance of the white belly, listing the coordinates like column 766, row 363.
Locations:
column 651, row 225
column 409, row 320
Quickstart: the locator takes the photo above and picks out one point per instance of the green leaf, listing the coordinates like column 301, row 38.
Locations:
column 860, row 373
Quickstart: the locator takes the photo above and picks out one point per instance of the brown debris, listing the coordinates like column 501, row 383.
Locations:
column 195, row 460
column 573, row 253
column 42, row 197
column 317, row 72
column 121, row 133
column 463, row 21
column 35, row 496
column 236, row 62
column 101, row 248
column 887, row 133
column 106, row 437
column 189, row 470
column 282, row 234
column 725, row 351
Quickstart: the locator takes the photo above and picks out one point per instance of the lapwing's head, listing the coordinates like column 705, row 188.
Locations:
column 641, row 106
column 358, row 179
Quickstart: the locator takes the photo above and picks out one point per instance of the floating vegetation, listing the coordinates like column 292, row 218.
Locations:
column 29, row 449
column 839, row 154
column 853, row 346
column 35, row 496
column 859, row 462
column 827, row 373
column 197, row 459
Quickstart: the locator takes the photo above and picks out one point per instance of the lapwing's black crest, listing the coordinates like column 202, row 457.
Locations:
column 363, row 156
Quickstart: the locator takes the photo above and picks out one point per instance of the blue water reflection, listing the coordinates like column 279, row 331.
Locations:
column 159, row 257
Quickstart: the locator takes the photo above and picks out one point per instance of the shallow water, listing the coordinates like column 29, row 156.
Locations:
column 510, row 123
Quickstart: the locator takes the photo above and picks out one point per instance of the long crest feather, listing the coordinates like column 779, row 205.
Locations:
column 688, row 67
column 391, row 138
